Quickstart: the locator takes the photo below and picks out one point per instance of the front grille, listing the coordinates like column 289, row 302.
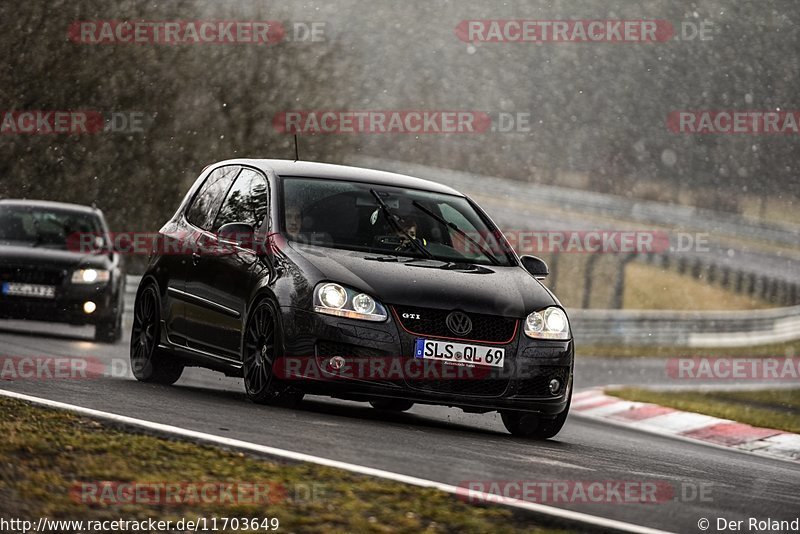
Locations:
column 487, row 387
column 433, row 322
column 538, row 386
column 32, row 275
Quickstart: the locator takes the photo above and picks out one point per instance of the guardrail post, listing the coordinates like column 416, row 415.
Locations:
column 619, row 282
column 726, row 278
column 739, row 283
column 588, row 276
column 682, row 265
column 711, row 273
column 751, row 284
column 697, row 269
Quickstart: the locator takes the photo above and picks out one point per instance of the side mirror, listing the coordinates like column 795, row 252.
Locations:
column 536, row 266
column 239, row 233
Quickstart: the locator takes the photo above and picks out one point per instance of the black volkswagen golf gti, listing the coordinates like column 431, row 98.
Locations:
column 310, row 278
column 48, row 272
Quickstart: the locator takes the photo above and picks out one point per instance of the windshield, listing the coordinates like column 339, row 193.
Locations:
column 44, row 227
column 389, row 221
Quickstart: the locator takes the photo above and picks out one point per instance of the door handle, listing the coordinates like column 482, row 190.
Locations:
column 195, row 258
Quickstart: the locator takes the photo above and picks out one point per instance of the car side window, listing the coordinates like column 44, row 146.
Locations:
column 208, row 199
column 247, row 201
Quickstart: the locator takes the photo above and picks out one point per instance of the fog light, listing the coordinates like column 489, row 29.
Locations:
column 89, row 307
column 555, row 386
column 336, row 363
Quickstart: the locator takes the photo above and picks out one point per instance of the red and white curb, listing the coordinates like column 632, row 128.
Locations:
column 594, row 404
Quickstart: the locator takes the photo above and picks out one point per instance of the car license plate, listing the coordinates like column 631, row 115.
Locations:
column 14, row 289
column 459, row 353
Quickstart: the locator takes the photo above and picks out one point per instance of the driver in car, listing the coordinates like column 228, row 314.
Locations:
column 294, row 222
column 409, row 227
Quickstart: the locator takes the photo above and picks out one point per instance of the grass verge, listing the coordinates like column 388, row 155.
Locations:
column 45, row 452
column 648, row 287
column 768, row 408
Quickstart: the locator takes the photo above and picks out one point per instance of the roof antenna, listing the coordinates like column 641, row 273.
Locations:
column 296, row 151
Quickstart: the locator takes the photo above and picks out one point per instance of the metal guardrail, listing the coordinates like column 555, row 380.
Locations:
column 655, row 327
column 686, row 329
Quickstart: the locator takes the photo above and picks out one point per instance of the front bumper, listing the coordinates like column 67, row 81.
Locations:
column 521, row 385
column 66, row 307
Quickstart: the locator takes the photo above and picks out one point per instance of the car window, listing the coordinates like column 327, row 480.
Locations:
column 246, row 202
column 346, row 215
column 43, row 227
column 207, row 201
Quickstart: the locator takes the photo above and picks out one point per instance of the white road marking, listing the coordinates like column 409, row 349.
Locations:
column 541, row 509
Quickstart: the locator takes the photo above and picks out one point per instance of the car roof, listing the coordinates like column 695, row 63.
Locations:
column 63, row 206
column 284, row 168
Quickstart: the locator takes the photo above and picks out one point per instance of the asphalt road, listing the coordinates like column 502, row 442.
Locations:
column 435, row 443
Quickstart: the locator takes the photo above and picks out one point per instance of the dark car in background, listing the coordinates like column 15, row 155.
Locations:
column 286, row 273
column 45, row 273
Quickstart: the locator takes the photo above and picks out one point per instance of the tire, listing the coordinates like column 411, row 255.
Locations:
column 109, row 331
column 534, row 426
column 261, row 345
column 392, row 405
column 148, row 362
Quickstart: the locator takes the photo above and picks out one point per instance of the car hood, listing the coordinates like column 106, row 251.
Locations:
column 49, row 258
column 504, row 291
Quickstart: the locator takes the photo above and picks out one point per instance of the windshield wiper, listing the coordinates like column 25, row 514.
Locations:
column 459, row 231
column 392, row 218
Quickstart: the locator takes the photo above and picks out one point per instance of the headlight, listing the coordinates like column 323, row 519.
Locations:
column 363, row 303
column 90, row 276
column 550, row 323
column 335, row 299
column 333, row 296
